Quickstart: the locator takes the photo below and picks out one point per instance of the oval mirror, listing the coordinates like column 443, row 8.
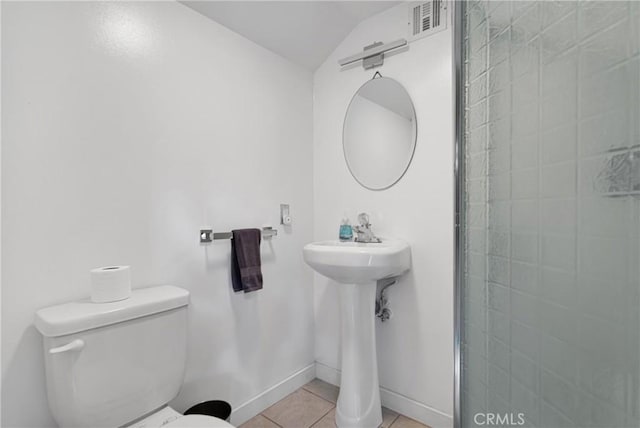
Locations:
column 379, row 135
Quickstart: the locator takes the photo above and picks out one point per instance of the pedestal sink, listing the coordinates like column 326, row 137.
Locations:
column 357, row 267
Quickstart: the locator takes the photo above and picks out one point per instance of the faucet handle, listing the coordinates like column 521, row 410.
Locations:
column 363, row 219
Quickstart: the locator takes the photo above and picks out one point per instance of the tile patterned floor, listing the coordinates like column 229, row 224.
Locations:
column 314, row 405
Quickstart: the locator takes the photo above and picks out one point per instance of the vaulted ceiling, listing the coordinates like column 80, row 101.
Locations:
column 304, row 32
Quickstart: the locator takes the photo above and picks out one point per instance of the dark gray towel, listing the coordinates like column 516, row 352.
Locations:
column 246, row 274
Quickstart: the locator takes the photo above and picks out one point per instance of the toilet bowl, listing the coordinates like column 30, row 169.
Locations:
column 110, row 364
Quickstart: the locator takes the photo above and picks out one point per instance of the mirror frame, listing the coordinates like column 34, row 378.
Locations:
column 415, row 134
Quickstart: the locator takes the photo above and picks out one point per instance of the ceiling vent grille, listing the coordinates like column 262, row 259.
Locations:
column 426, row 18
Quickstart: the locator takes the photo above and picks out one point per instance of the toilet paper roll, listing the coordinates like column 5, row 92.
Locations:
column 110, row 284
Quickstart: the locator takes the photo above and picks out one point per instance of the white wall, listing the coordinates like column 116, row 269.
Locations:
column 415, row 348
column 127, row 126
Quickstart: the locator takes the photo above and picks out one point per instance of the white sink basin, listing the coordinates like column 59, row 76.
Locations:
column 357, row 263
column 358, row 267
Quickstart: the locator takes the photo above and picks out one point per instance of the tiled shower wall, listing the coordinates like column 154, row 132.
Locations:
column 551, row 297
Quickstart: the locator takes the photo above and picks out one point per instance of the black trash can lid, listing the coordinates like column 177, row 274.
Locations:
column 217, row 408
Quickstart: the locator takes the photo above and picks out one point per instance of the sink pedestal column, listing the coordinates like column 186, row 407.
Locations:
column 359, row 400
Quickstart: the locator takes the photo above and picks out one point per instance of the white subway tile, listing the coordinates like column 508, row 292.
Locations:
column 551, row 417
column 527, row 21
column 595, row 16
column 498, row 381
column 559, row 321
column 559, row 286
column 525, row 309
column 499, row 48
column 498, row 270
column 499, row 17
column 475, row 15
column 499, row 215
column 559, row 251
column 524, row 277
column 598, row 298
column 605, row 91
column 525, row 60
column 499, row 133
column 525, row 339
column 477, row 90
column 558, row 144
column 603, row 258
column 476, row 140
column 559, row 357
column 476, row 339
column 558, row 215
column 476, row 265
column 609, row 48
column 559, row 180
column 499, row 326
column 525, row 370
column 525, row 119
column 603, row 132
column 524, row 400
column 500, row 105
column 499, row 187
column 477, row 115
column 560, row 109
column 477, row 64
column 524, row 184
column 499, row 243
column 524, row 247
column 553, row 10
column 606, row 217
column 559, row 38
column 499, row 160
column 499, row 77
column 476, row 190
column 560, row 394
column 526, row 88
column 525, row 215
column 476, row 166
column 476, row 240
column 498, row 353
column 559, row 72
column 524, row 152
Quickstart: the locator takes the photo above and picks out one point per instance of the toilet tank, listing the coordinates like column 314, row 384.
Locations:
column 108, row 364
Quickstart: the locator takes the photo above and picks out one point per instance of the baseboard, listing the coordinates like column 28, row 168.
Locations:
column 415, row 410
column 328, row 374
column 277, row 392
column 394, row 401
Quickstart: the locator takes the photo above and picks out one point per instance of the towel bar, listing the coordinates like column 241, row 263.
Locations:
column 207, row 235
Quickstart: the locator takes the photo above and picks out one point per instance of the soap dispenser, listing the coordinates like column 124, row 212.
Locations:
column 346, row 233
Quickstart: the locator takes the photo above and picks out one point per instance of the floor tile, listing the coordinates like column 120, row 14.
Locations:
column 405, row 422
column 323, row 389
column 259, row 422
column 388, row 417
column 298, row 410
column 328, row 421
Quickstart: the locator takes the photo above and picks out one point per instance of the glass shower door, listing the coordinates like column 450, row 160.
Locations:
column 550, row 272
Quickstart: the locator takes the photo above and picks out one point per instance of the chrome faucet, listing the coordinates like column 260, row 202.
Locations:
column 363, row 230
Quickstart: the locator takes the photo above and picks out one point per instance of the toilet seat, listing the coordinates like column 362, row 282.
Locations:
column 198, row 421
column 169, row 418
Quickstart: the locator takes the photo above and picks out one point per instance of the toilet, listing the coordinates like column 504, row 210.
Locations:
column 118, row 364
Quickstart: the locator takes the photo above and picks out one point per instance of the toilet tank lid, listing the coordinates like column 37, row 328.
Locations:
column 72, row 317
